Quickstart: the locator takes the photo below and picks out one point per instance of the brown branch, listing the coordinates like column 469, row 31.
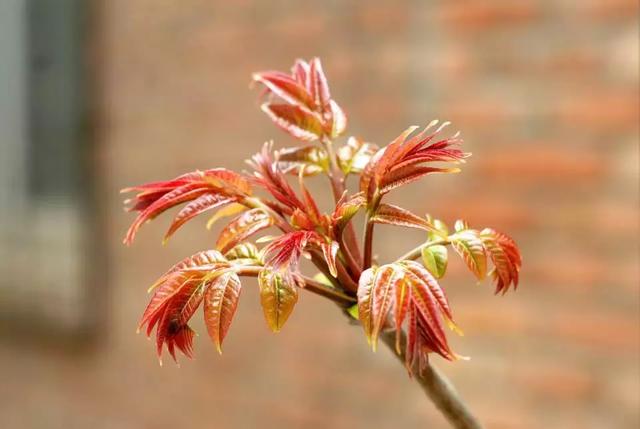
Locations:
column 437, row 387
column 311, row 285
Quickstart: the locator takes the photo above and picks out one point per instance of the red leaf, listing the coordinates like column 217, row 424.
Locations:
column 200, row 205
column 400, row 162
column 346, row 208
column 177, row 196
column 429, row 280
column 404, row 176
column 157, row 197
column 365, row 292
column 298, row 122
column 285, row 87
column 200, row 259
column 505, row 256
column 387, row 279
column 317, row 84
column 300, row 71
column 329, row 251
column 269, row 175
column 285, row 251
column 310, row 204
column 394, row 215
column 220, row 303
column 242, row 227
column 470, row 247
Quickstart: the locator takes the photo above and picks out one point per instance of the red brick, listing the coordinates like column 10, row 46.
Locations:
column 554, row 382
column 477, row 15
column 606, row 111
column 541, row 162
column 609, row 9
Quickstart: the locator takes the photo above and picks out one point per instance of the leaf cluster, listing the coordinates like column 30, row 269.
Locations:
column 401, row 294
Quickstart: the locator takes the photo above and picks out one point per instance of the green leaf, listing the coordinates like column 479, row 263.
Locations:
column 460, row 225
column 278, row 296
column 353, row 311
column 435, row 259
column 470, row 247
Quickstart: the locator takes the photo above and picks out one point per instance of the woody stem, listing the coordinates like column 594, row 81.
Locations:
column 417, row 251
column 338, row 187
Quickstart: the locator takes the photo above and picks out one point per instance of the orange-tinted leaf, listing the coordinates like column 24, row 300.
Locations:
column 242, row 227
column 157, row 197
column 365, row 292
column 401, row 308
column 505, row 257
column 227, row 182
column 427, row 309
column 300, row 123
column 170, row 199
column 278, row 296
column 194, row 208
column 309, row 160
column 330, row 251
column 386, row 281
column 394, row 215
column 220, row 303
column 200, row 259
column 470, row 247
column 407, row 175
column 285, row 87
column 317, row 84
column 431, row 283
column 346, row 208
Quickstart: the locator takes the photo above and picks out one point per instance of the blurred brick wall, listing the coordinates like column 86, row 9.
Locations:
column 546, row 95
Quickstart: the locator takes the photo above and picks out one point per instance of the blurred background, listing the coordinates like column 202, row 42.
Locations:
column 98, row 95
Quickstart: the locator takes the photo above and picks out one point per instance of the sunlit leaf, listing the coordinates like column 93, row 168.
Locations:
column 285, row 87
column 365, row 293
column 505, row 257
column 388, row 278
column 339, row 119
column 278, row 297
column 330, row 251
column 242, row 227
column 309, row 160
column 435, row 259
column 354, row 156
column 245, row 251
column 198, row 206
column 394, row 215
column 317, row 84
column 229, row 210
column 300, row 123
column 470, row 248
column 157, row 197
column 220, row 303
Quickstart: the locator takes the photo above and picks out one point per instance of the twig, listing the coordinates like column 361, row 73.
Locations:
column 417, row 251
